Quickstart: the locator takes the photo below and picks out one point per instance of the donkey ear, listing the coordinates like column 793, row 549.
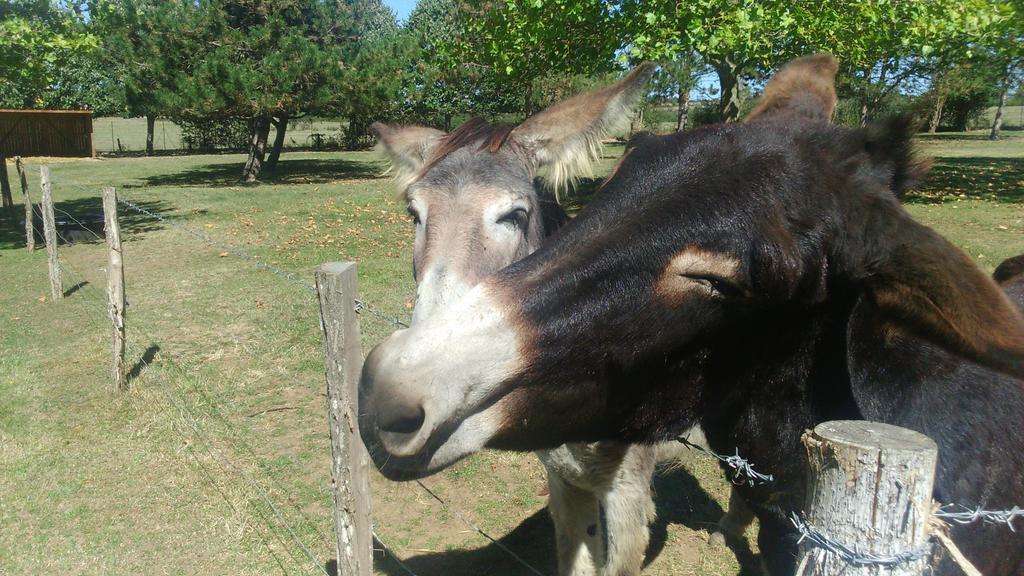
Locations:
column 407, row 147
column 928, row 286
column 804, row 87
column 566, row 138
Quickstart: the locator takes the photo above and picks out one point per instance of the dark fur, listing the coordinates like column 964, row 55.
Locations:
column 833, row 304
column 810, row 212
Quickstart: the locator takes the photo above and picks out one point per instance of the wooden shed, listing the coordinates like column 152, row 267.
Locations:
column 46, row 133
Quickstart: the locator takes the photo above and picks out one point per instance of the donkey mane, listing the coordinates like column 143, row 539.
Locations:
column 490, row 137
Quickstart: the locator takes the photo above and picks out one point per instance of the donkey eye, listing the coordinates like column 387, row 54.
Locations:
column 413, row 214
column 717, row 286
column 515, row 219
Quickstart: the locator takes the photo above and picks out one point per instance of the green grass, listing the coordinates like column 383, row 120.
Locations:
column 173, row 477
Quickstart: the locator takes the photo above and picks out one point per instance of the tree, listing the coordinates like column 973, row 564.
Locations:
column 441, row 83
column 736, row 38
column 48, row 59
column 266, row 60
column 522, row 41
column 1005, row 48
column 375, row 81
column 674, row 81
column 145, row 42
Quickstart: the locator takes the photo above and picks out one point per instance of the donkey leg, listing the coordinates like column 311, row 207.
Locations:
column 577, row 519
column 734, row 522
column 628, row 509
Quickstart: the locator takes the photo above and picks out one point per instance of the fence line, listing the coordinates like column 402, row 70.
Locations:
column 219, row 415
column 204, row 439
column 360, row 306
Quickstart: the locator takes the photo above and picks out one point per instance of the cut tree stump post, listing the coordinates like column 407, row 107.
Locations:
column 350, row 464
column 50, row 233
column 30, row 237
column 115, row 286
column 869, row 488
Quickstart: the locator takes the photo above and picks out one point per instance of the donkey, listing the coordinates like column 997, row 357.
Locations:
column 476, row 206
column 753, row 278
column 472, row 197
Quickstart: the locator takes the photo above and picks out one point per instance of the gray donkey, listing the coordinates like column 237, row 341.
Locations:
column 472, row 197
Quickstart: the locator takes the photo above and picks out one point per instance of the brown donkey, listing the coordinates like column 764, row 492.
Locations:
column 755, row 279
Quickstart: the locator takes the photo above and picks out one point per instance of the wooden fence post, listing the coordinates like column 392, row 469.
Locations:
column 350, row 464
column 115, row 285
column 50, row 233
column 869, row 488
column 30, row 237
column 5, row 188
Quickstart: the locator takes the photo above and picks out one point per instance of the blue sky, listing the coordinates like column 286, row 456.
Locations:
column 401, row 7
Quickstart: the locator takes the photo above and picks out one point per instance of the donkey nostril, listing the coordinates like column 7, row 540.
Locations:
column 402, row 419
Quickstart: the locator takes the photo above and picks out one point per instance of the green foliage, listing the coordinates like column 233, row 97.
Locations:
column 48, row 58
column 217, row 133
column 522, row 41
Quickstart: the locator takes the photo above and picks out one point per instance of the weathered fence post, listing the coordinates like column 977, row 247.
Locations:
column 869, row 488
column 115, row 285
column 350, row 464
column 50, row 233
column 30, row 237
column 5, row 188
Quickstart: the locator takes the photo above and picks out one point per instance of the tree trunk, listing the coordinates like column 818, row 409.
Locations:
column 150, row 129
column 528, row 100
column 997, row 124
column 447, row 121
column 933, row 122
column 684, row 108
column 731, row 84
column 638, row 122
column 867, row 97
column 257, row 149
column 281, row 125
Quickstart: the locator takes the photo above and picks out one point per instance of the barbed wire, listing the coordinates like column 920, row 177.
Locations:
column 259, row 262
column 744, row 472
column 203, row 438
column 850, row 555
column 360, row 305
column 968, row 516
column 390, row 552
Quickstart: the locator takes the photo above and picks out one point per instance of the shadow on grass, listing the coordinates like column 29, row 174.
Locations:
column 299, row 171
column 141, row 363
column 533, row 540
column 76, row 288
column 994, row 179
column 80, row 220
column 679, row 500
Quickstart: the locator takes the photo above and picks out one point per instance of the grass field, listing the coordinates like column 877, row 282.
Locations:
column 131, row 132
column 223, row 442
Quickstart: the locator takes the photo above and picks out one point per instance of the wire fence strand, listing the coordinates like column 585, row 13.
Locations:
column 203, row 439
